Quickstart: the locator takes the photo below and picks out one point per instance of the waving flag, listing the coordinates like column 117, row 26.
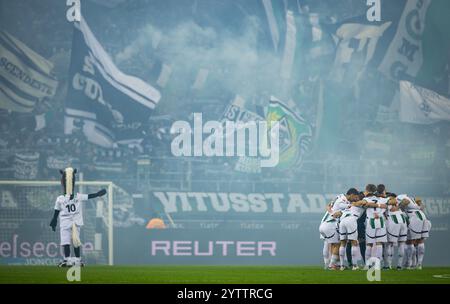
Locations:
column 361, row 44
column 108, row 106
column 419, row 51
column 356, row 46
column 422, row 106
column 290, row 46
column 239, row 111
column 295, row 134
column 274, row 13
column 25, row 76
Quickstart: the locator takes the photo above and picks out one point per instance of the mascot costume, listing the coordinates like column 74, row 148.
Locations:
column 68, row 208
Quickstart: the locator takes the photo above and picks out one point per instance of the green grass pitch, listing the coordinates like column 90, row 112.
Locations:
column 218, row 275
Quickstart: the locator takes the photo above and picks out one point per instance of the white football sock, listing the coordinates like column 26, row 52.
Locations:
column 342, row 255
column 386, row 254
column 414, row 256
column 408, row 254
column 389, row 254
column 379, row 252
column 326, row 253
column 420, row 253
column 368, row 254
column 400, row 253
column 356, row 254
column 334, row 260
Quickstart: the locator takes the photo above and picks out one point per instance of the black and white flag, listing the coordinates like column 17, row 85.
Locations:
column 26, row 77
column 108, row 106
column 422, row 106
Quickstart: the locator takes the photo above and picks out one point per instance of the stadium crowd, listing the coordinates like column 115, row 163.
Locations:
column 368, row 143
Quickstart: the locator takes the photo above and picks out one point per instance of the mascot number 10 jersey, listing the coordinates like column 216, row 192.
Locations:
column 70, row 211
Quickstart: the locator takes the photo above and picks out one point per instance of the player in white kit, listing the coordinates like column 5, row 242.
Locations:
column 418, row 230
column 329, row 227
column 425, row 234
column 327, row 230
column 348, row 232
column 328, row 233
column 375, row 223
column 68, row 208
column 397, row 230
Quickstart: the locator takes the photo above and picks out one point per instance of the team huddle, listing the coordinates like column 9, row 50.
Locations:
column 393, row 224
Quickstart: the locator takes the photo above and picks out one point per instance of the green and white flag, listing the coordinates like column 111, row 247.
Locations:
column 419, row 49
column 238, row 112
column 295, row 134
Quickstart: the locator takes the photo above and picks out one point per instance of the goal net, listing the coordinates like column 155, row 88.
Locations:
column 26, row 208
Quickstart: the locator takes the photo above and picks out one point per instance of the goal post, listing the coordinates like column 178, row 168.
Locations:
column 110, row 225
column 26, row 208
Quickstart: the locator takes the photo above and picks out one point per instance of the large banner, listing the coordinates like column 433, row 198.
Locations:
column 25, row 76
column 259, row 205
column 411, row 42
column 419, row 48
column 203, row 246
column 244, row 203
column 26, row 165
column 108, row 106
column 237, row 247
column 295, row 134
column 357, row 43
column 238, row 112
column 422, row 106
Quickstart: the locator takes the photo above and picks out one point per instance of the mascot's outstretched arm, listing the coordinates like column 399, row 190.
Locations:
column 97, row 194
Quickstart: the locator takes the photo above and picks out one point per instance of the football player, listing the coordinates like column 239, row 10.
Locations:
column 418, row 230
column 348, row 231
column 329, row 227
column 397, row 229
column 375, row 223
